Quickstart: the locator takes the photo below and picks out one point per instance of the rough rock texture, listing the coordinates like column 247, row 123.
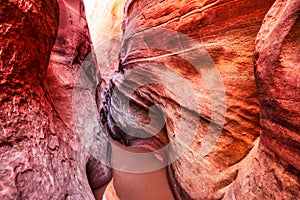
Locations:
column 41, row 156
column 277, row 66
column 73, row 65
column 227, row 30
column 105, row 19
column 271, row 171
column 233, row 135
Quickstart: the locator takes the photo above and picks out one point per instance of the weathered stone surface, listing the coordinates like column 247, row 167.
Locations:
column 41, row 156
column 71, row 59
column 229, row 39
column 264, row 175
column 193, row 58
column 271, row 170
column 277, row 74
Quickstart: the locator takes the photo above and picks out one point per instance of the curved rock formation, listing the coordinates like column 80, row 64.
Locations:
column 41, row 154
column 72, row 60
column 271, row 171
column 277, row 74
column 199, row 98
column 221, row 172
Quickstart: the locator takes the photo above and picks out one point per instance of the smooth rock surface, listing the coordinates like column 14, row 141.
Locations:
column 271, row 170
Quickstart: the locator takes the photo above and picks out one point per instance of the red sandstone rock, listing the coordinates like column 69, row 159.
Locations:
column 41, row 116
column 228, row 37
column 40, row 153
column 71, row 59
column 277, row 75
column 271, row 170
column 227, row 31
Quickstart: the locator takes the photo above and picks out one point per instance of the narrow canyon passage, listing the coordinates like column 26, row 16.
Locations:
column 150, row 99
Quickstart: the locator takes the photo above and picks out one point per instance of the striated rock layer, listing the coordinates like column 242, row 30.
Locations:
column 205, row 90
column 277, row 67
column 41, row 156
column 272, row 171
column 195, row 59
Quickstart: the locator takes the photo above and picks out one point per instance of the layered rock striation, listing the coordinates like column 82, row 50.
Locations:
column 208, row 89
column 194, row 60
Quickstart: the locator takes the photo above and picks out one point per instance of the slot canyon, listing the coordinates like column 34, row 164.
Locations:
column 151, row 100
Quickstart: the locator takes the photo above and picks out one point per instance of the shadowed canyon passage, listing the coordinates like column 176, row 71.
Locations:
column 169, row 99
